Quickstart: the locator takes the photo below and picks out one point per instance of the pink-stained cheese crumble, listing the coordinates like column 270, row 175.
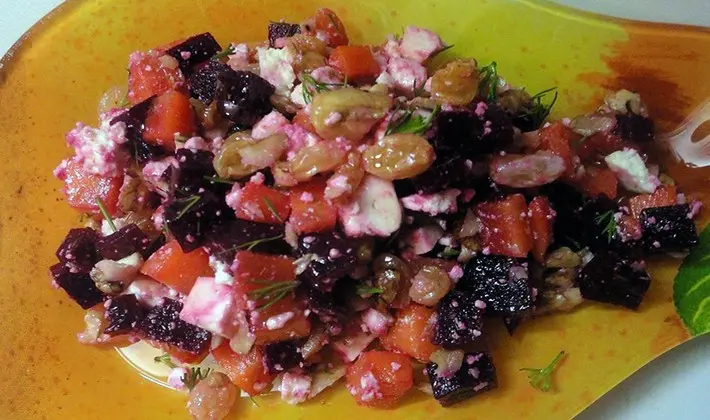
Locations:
column 278, row 321
column 99, row 150
column 212, row 306
column 175, row 378
column 295, row 387
column 271, row 123
column 369, row 387
column 419, row 44
column 234, row 197
column 439, row 203
column 374, row 209
column 407, row 74
column 377, row 322
column 239, row 60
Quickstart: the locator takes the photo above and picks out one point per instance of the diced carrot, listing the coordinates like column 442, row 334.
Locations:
column 177, row 269
column 629, row 227
column 310, row 211
column 666, row 195
column 296, row 326
column 598, row 145
column 246, row 371
column 542, row 218
column 558, row 139
column 356, row 62
column 152, row 73
column 82, row 189
column 262, row 204
column 504, row 227
column 170, row 113
column 412, row 332
column 596, row 182
column 380, row 378
column 254, row 271
column 330, row 27
column 180, row 355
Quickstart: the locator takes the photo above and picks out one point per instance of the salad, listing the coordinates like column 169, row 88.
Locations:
column 281, row 215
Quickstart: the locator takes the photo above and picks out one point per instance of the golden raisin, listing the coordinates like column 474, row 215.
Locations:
column 429, row 285
column 347, row 112
column 398, row 156
column 455, row 84
column 346, row 178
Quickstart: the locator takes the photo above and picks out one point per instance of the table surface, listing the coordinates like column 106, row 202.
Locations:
column 673, row 386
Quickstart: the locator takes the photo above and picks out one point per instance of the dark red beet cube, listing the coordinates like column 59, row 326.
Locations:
column 636, row 128
column 194, row 51
column 78, row 250
column 79, row 286
column 163, row 324
column 477, row 375
column 126, row 241
column 612, row 278
column 224, row 240
column 336, row 256
column 243, row 97
column 282, row 356
column 203, row 83
column 459, row 320
column 668, row 229
column 500, row 282
column 282, row 30
column 134, row 119
column 123, row 314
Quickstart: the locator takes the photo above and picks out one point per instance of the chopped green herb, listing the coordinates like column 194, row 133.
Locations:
column 363, row 289
column 272, row 209
column 488, row 85
column 194, row 376
column 272, row 292
column 542, row 378
column 539, row 111
column 250, row 245
column 166, row 360
column 449, row 252
column 448, row 47
column 410, row 123
column 125, row 102
column 218, row 180
column 311, row 86
column 105, row 214
column 253, row 401
column 224, row 53
column 608, row 221
column 190, row 202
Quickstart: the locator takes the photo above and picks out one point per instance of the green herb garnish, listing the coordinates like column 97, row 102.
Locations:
column 539, row 111
column 272, row 209
column 125, row 102
column 450, row 252
column 272, row 292
column 166, row 360
column 542, row 378
column 363, row 289
column 488, row 85
column 194, row 376
column 253, row 401
column 311, row 86
column 608, row 221
column 218, row 180
column 105, row 214
column 224, row 53
column 410, row 123
column 189, row 202
column 250, row 245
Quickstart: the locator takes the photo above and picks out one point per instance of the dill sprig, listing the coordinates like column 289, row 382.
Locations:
column 312, row 87
column 165, row 359
column 272, row 292
column 193, row 376
column 411, row 123
column 542, row 378
column 272, row 209
column 608, row 221
column 364, row 289
column 539, row 111
column 224, row 53
column 488, row 86
column 450, row 252
column 218, row 180
column 105, row 213
column 190, row 202
column 250, row 245
column 253, row 401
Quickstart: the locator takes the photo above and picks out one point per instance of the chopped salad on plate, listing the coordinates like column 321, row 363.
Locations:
column 282, row 216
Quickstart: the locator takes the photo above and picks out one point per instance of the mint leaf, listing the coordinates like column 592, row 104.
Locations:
column 691, row 287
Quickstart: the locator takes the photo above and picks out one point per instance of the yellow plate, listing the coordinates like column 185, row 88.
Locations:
column 55, row 76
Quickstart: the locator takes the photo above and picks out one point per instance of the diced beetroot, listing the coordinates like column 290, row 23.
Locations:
column 614, row 279
column 151, row 74
column 163, row 324
column 310, row 211
column 123, row 315
column 224, row 240
column 78, row 250
column 262, row 204
column 499, row 283
column 203, row 83
column 194, row 169
column 380, row 378
column 79, row 286
column 504, row 226
column 82, row 189
column 282, row 30
column 666, row 195
column 243, row 97
column 336, row 256
column 282, row 356
column 668, row 229
column 134, row 119
column 542, row 218
column 635, row 128
column 194, row 50
column 468, row 134
column 459, row 320
column 124, row 242
column 476, row 375
column 189, row 218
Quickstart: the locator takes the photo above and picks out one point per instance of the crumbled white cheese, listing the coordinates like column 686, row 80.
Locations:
column 632, row 172
column 275, row 65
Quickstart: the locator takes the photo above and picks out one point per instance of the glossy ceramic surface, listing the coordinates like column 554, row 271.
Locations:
column 56, row 75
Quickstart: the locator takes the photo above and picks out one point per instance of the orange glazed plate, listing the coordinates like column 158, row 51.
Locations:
column 56, row 74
